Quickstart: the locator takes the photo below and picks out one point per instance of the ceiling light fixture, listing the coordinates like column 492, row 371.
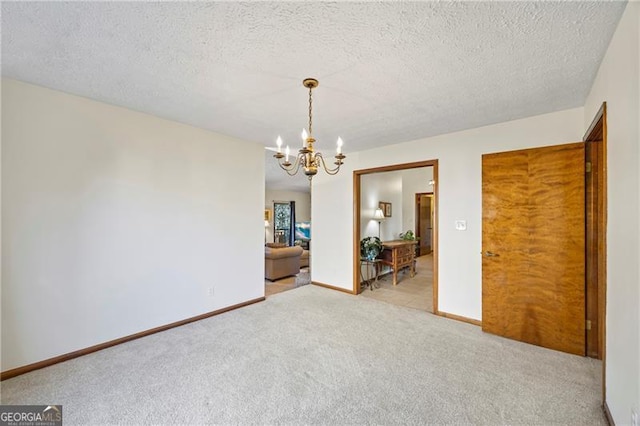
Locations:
column 308, row 158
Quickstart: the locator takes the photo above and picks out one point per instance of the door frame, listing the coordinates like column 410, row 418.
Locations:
column 597, row 131
column 356, row 219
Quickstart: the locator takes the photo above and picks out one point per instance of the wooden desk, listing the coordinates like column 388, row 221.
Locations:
column 398, row 254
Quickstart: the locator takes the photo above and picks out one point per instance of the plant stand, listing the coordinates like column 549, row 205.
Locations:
column 371, row 279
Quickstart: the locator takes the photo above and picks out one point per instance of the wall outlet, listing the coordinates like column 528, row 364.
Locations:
column 210, row 292
column 634, row 418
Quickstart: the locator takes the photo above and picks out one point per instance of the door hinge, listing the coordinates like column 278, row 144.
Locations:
column 588, row 167
column 588, row 325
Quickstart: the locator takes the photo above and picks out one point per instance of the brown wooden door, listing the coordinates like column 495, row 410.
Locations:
column 533, row 241
column 424, row 223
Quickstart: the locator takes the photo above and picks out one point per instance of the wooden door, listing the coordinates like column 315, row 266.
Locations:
column 424, row 223
column 533, row 241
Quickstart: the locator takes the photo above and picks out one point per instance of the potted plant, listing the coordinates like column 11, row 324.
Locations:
column 370, row 247
column 408, row 236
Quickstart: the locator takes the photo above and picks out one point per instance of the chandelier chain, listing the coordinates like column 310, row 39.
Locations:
column 310, row 113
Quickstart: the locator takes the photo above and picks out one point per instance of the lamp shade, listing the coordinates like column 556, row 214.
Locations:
column 266, row 223
column 378, row 215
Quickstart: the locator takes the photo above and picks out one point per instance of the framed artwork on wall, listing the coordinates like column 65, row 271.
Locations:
column 385, row 207
column 267, row 215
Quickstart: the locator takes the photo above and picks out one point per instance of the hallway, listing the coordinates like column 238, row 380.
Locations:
column 416, row 292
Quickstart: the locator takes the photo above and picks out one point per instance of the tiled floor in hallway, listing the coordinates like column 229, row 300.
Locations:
column 416, row 292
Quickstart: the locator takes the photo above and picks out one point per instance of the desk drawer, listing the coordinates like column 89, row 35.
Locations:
column 402, row 251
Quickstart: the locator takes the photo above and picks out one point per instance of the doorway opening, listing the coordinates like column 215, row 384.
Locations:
column 288, row 241
column 385, row 206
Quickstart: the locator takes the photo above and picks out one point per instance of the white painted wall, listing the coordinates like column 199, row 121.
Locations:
column 115, row 222
column 378, row 187
column 397, row 187
column 332, row 210
column 303, row 205
column 460, row 196
column 414, row 181
column 617, row 83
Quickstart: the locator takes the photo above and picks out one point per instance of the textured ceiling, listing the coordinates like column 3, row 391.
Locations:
column 389, row 71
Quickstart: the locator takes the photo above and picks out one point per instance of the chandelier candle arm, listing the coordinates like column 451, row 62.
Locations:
column 291, row 169
column 307, row 158
column 335, row 170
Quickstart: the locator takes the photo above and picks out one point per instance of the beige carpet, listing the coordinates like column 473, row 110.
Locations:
column 415, row 293
column 317, row 356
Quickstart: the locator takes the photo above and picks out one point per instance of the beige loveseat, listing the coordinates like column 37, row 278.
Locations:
column 304, row 259
column 280, row 262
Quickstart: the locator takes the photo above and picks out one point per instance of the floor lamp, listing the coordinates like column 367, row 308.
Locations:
column 379, row 216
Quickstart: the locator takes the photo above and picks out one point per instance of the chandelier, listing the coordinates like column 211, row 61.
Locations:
column 308, row 158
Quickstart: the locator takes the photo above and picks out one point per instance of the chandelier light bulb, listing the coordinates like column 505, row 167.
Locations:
column 279, row 143
column 286, row 154
column 339, row 144
column 304, row 136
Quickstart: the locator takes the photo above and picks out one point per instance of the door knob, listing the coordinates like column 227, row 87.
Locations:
column 491, row 254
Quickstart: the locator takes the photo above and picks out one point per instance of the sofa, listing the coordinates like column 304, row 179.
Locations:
column 304, row 259
column 280, row 262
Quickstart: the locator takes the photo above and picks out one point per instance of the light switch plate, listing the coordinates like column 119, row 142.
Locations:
column 461, row 225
